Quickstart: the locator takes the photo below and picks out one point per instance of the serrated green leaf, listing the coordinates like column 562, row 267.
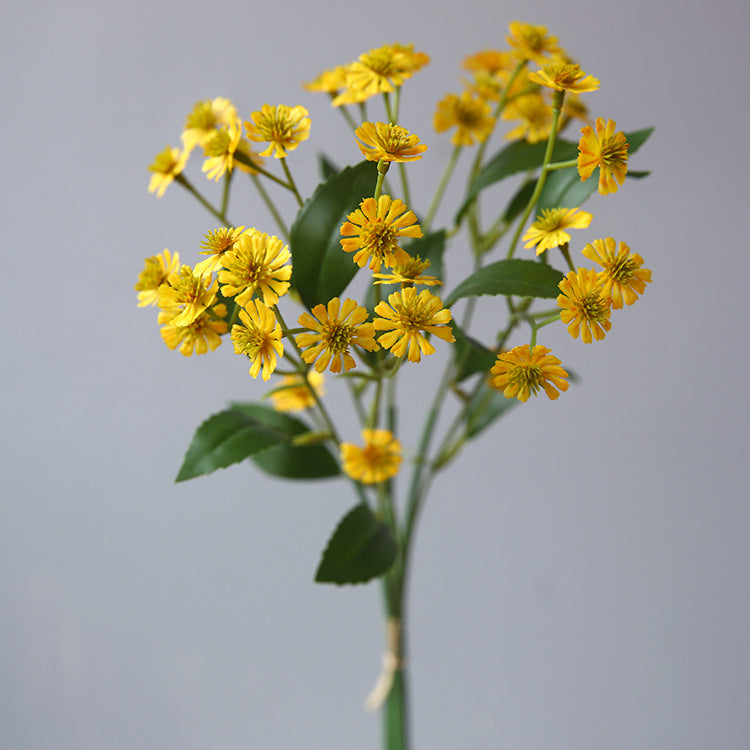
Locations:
column 360, row 549
column 485, row 408
column 321, row 270
column 525, row 278
column 284, row 458
column 224, row 439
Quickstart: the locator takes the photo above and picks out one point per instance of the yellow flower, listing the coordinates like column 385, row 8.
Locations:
column 522, row 371
column 221, row 147
column 378, row 460
column 532, row 42
column 284, row 128
column 335, row 328
column 200, row 335
column 380, row 70
column 166, row 166
column 604, row 149
column 408, row 274
column 217, row 244
column 622, row 279
column 294, row 395
column 258, row 337
column 491, row 61
column 204, row 118
column 374, row 229
column 329, row 81
column 155, row 272
column 406, row 316
column 388, row 142
column 471, row 115
column 186, row 295
column 565, row 77
column 548, row 230
column 584, row 309
column 535, row 115
column 256, row 263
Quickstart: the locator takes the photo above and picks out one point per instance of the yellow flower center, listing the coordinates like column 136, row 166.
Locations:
column 151, row 277
column 201, row 118
column 613, row 151
column 527, row 377
column 622, row 269
column 219, row 143
column 469, row 117
column 593, row 307
column 338, row 336
column 552, row 219
column 378, row 238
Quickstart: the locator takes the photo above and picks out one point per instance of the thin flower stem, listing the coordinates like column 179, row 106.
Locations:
column 542, row 175
column 562, row 165
column 182, row 180
column 347, row 116
column 225, row 194
column 248, row 162
column 565, row 251
column 292, row 185
column 442, row 185
column 271, row 206
column 404, row 183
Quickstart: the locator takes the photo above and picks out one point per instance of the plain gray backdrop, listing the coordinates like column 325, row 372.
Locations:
column 580, row 577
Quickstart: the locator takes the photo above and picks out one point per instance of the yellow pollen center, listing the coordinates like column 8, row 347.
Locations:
column 378, row 238
column 622, row 269
column 593, row 307
column 338, row 336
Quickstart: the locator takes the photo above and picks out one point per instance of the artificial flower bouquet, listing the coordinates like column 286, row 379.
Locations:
column 283, row 300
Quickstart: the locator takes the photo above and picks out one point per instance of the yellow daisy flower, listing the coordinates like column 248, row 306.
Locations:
column 564, row 77
column 336, row 328
column 378, row 460
column 200, row 335
column 329, row 81
column 258, row 337
column 491, row 61
column 294, row 395
column 471, row 116
column 548, row 230
column 585, row 309
column 220, row 149
column 204, row 118
column 284, row 128
column 388, row 142
column 372, row 232
column 535, row 115
column 407, row 316
column 532, row 42
column 522, row 371
column 166, row 166
column 622, row 279
column 155, row 272
column 217, row 244
column 256, row 263
column 408, row 274
column 604, row 149
column 186, row 295
column 380, row 70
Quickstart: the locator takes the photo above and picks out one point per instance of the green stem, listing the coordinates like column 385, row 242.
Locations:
column 182, row 180
column 271, row 206
column 292, row 185
column 442, row 185
column 542, row 175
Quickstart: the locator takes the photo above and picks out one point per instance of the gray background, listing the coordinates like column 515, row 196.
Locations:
column 580, row 579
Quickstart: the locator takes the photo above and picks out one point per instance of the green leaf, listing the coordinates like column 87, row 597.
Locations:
column 526, row 278
column 283, row 458
column 321, row 270
column 326, row 167
column 473, row 356
column 563, row 188
column 514, row 158
column 223, row 439
column 486, row 407
column 360, row 549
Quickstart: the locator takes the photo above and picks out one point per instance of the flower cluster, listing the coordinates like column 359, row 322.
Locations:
column 378, row 232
